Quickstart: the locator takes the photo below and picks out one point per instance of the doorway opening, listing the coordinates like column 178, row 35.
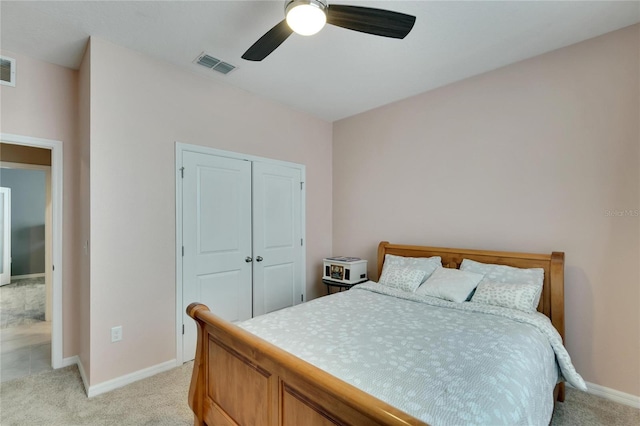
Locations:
column 25, row 293
column 31, row 320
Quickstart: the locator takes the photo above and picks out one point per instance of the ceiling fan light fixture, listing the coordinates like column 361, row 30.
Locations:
column 306, row 17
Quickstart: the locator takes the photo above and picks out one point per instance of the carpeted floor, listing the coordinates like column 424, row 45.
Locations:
column 22, row 302
column 58, row 398
column 583, row 409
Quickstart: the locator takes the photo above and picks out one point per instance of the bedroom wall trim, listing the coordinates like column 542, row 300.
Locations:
column 83, row 375
column 127, row 379
column 72, row 360
column 613, row 395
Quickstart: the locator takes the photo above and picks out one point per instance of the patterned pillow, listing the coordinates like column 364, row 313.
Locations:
column 405, row 279
column 450, row 284
column 426, row 264
column 507, row 274
column 515, row 296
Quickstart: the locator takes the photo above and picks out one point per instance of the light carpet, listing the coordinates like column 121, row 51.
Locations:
column 58, row 398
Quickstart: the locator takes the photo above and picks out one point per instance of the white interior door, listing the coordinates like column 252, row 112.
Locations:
column 216, row 239
column 5, row 236
column 277, row 237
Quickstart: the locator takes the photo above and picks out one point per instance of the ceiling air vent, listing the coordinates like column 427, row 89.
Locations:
column 224, row 68
column 214, row 63
column 7, row 71
column 207, row 61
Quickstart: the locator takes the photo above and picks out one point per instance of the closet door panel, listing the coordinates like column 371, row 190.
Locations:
column 222, row 291
column 277, row 246
column 216, row 238
column 279, row 286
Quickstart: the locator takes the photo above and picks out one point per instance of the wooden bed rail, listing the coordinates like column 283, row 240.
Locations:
column 240, row 379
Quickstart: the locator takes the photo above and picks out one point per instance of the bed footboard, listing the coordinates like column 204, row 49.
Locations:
column 240, row 379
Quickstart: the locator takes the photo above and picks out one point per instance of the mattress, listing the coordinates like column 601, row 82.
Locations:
column 442, row 362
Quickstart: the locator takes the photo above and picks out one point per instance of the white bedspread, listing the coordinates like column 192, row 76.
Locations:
column 445, row 363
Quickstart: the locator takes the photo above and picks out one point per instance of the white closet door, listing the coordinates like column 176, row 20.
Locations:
column 277, row 245
column 217, row 239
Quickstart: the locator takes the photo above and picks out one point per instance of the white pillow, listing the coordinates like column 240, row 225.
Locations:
column 515, row 296
column 507, row 274
column 426, row 264
column 405, row 279
column 450, row 284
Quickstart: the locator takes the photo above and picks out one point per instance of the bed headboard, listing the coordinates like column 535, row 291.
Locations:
column 552, row 299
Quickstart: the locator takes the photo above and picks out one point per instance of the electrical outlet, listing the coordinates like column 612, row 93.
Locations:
column 116, row 334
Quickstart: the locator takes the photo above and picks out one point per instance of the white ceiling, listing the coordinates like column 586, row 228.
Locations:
column 332, row 75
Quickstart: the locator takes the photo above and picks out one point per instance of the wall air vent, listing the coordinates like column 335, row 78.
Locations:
column 215, row 64
column 7, row 71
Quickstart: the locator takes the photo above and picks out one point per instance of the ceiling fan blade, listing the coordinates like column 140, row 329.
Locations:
column 372, row 21
column 268, row 42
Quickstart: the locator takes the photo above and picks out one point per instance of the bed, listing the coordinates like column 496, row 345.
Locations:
column 242, row 379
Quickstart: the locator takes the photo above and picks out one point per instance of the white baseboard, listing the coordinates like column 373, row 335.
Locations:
column 118, row 382
column 612, row 395
column 70, row 361
column 22, row 277
column 85, row 381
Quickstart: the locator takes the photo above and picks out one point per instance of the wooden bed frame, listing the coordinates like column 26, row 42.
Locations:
column 240, row 379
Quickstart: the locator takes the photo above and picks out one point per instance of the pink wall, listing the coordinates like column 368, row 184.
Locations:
column 139, row 108
column 528, row 157
column 43, row 104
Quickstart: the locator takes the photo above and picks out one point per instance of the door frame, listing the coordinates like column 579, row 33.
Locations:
column 57, row 188
column 180, row 149
column 6, row 234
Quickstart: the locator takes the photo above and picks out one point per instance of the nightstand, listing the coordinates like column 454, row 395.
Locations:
column 341, row 286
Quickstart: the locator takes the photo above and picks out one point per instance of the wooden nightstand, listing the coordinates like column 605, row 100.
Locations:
column 341, row 286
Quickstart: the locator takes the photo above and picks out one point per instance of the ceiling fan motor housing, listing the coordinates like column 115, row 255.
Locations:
column 290, row 4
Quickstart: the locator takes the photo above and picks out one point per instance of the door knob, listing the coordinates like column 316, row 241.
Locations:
column 248, row 259
column 259, row 259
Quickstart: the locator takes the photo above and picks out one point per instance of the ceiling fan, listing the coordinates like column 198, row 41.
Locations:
column 307, row 17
